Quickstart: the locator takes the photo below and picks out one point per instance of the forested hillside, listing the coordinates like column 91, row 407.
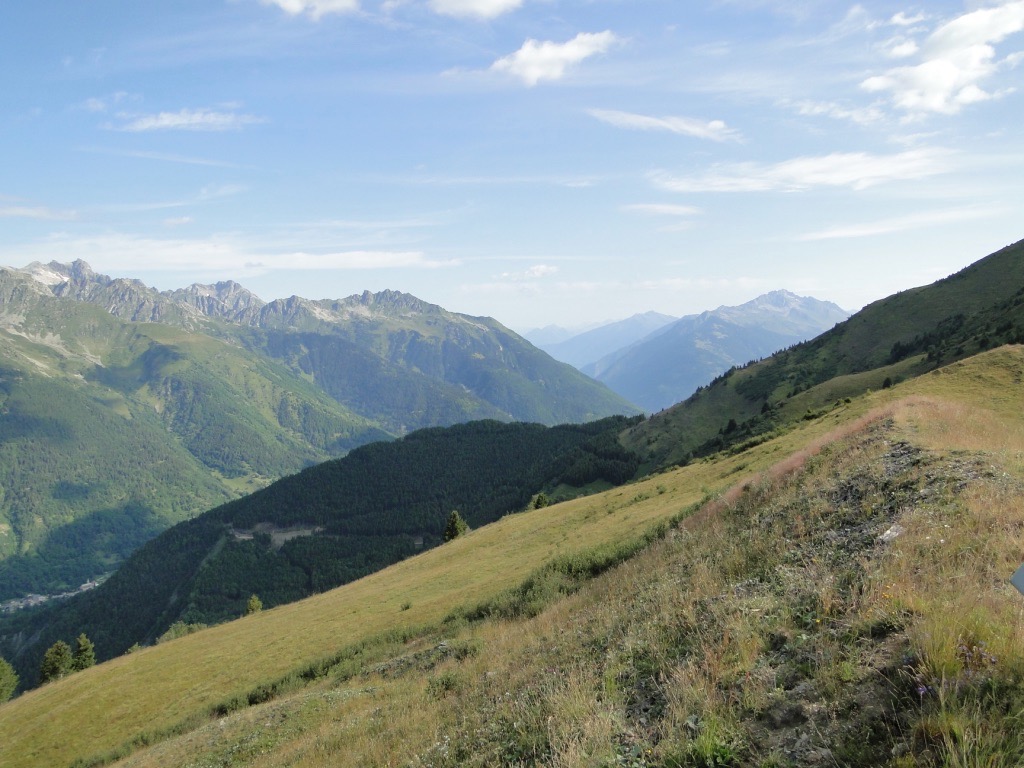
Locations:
column 126, row 410
column 349, row 517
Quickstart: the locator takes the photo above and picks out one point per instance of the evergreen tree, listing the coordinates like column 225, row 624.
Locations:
column 57, row 662
column 255, row 605
column 85, row 654
column 8, row 681
column 456, row 526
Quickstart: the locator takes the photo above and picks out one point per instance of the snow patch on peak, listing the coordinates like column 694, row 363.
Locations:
column 45, row 274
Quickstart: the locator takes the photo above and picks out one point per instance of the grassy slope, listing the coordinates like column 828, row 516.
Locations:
column 374, row 504
column 980, row 305
column 160, row 687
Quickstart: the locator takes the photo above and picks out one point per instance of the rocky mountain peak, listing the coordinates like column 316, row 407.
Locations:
column 55, row 273
column 393, row 300
column 227, row 299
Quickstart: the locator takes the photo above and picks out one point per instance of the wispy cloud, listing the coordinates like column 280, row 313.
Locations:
column 680, row 217
column 869, row 115
column 360, row 260
column 314, row 8
column 481, row 9
column 956, row 60
column 162, row 156
column 205, row 195
column 35, row 212
column 101, row 104
column 663, row 209
column 536, row 272
column 901, row 223
column 548, row 60
column 715, row 130
column 226, row 255
column 572, row 182
column 901, row 19
column 187, row 120
column 856, row 170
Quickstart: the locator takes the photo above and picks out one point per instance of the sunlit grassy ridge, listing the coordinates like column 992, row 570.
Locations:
column 771, row 615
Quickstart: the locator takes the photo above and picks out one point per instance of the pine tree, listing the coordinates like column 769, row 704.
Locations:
column 8, row 681
column 456, row 526
column 57, row 662
column 85, row 654
column 255, row 605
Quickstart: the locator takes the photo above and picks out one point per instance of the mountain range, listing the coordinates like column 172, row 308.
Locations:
column 655, row 360
column 828, row 584
column 126, row 409
column 586, row 347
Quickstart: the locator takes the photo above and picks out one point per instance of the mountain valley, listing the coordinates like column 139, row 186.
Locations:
column 805, row 561
column 126, row 410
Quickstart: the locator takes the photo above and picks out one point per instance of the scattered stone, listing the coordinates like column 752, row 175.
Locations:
column 894, row 532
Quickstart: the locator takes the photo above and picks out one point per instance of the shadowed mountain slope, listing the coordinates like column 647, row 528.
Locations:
column 326, row 526
column 127, row 409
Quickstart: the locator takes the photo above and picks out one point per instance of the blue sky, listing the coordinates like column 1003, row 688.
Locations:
column 538, row 161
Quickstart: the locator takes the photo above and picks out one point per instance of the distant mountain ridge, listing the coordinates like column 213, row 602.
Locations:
column 207, row 392
column 905, row 335
column 590, row 346
column 471, row 354
column 655, row 360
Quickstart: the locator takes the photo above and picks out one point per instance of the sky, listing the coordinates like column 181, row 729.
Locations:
column 542, row 162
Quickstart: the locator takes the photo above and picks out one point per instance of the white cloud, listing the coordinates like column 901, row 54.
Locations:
column 901, row 49
column 161, row 156
column 187, row 120
column 571, row 182
column 900, row 224
column 225, row 255
column 955, row 60
column 536, row 272
column 862, row 115
column 681, row 215
column 358, row 260
column 483, row 9
column 715, row 130
column 902, row 20
column 102, row 104
column 314, row 8
column 204, row 195
column 35, row 212
column 857, row 170
column 663, row 209
column 537, row 61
